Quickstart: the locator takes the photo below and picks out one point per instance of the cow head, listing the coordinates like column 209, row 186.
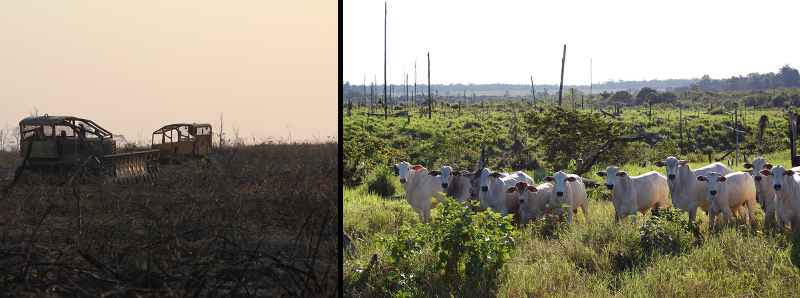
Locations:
column 523, row 189
column 444, row 177
column 755, row 168
column 403, row 170
column 672, row 163
column 779, row 175
column 483, row 180
column 612, row 173
column 712, row 181
column 559, row 180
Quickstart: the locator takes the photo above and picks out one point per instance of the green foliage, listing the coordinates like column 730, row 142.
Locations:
column 366, row 144
column 667, row 231
column 468, row 248
column 566, row 135
column 382, row 182
column 550, row 226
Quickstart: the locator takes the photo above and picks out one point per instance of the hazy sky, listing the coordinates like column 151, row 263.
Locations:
column 507, row 41
column 133, row 66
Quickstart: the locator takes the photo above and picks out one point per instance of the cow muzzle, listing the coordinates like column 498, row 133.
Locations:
column 671, row 176
column 402, row 180
column 444, row 185
column 610, row 186
column 484, row 188
column 560, row 193
column 713, row 192
column 777, row 187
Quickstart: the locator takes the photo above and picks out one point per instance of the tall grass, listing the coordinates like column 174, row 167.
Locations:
column 601, row 259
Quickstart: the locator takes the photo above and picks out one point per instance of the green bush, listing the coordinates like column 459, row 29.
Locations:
column 550, row 226
column 667, row 231
column 382, row 182
column 460, row 248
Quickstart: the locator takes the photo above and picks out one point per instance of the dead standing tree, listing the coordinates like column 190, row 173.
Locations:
column 430, row 99
column 561, row 85
column 385, row 99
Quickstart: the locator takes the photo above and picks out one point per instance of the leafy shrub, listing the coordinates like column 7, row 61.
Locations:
column 665, row 232
column 551, row 226
column 469, row 248
column 566, row 135
column 382, row 182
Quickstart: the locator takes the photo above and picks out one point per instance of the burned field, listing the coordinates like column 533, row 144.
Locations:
column 250, row 220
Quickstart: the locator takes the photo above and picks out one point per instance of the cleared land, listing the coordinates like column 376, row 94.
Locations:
column 252, row 221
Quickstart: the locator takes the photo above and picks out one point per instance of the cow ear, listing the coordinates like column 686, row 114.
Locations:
column 722, row 179
column 571, row 179
column 683, row 162
column 768, row 166
column 622, row 173
column 601, row 174
column 511, row 189
column 660, row 163
column 532, row 188
column 789, row 172
column 434, row 173
column 748, row 166
column 549, row 179
column 701, row 178
column 765, row 172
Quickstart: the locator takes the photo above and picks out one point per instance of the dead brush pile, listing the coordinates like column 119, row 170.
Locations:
column 252, row 221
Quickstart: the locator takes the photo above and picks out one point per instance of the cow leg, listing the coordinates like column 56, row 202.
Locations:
column 712, row 223
column 692, row 214
column 769, row 214
column 727, row 214
column 585, row 208
column 570, row 215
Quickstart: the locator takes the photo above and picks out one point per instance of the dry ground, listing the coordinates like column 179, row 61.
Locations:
column 254, row 221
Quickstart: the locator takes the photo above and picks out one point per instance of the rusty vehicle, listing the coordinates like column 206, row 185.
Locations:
column 179, row 141
column 72, row 145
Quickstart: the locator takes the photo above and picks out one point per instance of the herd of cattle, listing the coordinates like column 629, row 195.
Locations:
column 715, row 188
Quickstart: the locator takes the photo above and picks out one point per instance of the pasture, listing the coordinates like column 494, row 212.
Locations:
column 642, row 257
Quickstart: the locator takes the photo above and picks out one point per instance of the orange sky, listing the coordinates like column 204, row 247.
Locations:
column 269, row 66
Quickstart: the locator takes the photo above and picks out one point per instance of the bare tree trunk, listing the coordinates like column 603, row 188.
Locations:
column 561, row 85
column 385, row 99
column 430, row 99
column 533, row 92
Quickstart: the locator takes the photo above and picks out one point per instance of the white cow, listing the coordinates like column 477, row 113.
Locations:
column 787, row 194
column 493, row 186
column 455, row 183
column 533, row 200
column 637, row 193
column 765, row 194
column 420, row 186
column 728, row 192
column 570, row 191
column 687, row 193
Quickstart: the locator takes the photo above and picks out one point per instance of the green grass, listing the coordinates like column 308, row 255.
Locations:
column 599, row 259
column 592, row 259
